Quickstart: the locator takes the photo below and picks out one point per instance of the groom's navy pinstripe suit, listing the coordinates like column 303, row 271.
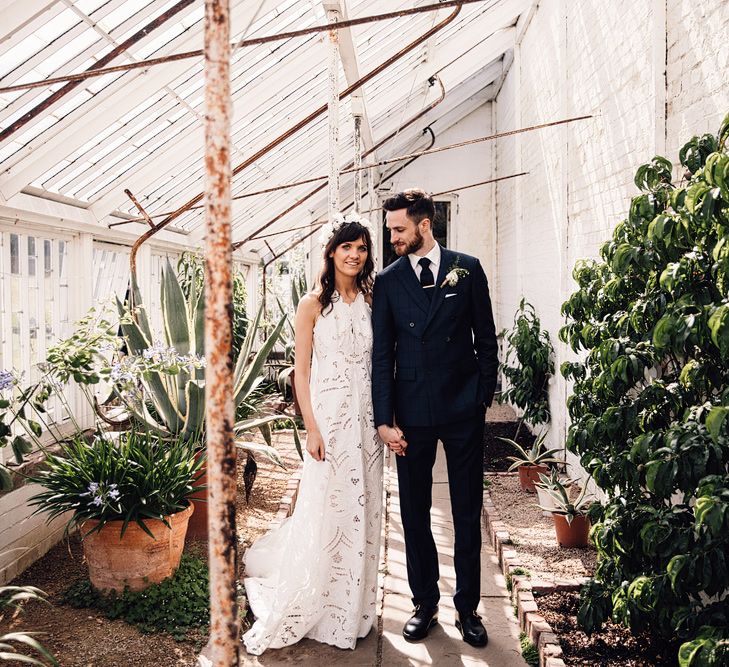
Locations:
column 434, row 369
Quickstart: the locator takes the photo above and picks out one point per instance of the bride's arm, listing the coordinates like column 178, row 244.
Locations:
column 306, row 315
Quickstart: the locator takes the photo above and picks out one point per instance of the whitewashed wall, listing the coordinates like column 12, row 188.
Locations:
column 663, row 80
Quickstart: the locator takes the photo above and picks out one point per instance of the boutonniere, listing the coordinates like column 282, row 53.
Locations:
column 455, row 273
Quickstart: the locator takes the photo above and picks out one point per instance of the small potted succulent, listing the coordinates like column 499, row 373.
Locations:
column 128, row 495
column 530, row 463
column 571, row 523
column 543, row 486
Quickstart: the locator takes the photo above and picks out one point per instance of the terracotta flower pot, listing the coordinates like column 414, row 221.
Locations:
column 529, row 476
column 135, row 560
column 571, row 534
column 198, row 527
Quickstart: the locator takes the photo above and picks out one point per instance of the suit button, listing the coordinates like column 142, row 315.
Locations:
column 448, row 339
column 423, row 342
column 412, row 324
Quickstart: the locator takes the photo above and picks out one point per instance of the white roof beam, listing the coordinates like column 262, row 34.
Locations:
column 20, row 13
column 350, row 64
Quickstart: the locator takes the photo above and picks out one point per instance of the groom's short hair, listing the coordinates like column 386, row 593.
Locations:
column 418, row 204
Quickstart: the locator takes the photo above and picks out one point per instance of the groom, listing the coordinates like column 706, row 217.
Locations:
column 433, row 375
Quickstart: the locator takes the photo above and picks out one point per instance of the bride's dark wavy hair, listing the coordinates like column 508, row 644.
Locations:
column 346, row 233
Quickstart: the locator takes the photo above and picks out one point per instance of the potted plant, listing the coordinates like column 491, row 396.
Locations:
column 128, row 495
column 543, row 486
column 571, row 522
column 530, row 463
column 528, row 365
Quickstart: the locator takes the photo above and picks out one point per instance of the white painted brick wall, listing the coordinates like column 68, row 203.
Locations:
column 698, row 69
column 24, row 538
column 571, row 62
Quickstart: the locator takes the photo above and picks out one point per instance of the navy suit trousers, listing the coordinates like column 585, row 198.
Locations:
column 463, row 444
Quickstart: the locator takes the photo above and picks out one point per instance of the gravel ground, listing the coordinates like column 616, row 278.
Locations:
column 533, row 534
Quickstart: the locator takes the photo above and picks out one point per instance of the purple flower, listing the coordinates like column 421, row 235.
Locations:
column 98, row 500
column 6, row 380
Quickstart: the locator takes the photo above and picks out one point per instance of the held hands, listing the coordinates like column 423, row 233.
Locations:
column 315, row 445
column 393, row 437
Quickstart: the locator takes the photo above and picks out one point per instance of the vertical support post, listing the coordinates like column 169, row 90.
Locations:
column 357, row 112
column 333, row 107
column 219, row 414
column 660, row 66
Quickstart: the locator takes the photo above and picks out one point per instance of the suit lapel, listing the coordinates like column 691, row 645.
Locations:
column 446, row 260
column 410, row 281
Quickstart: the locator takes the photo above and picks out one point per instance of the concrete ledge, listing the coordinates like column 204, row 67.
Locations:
column 525, row 591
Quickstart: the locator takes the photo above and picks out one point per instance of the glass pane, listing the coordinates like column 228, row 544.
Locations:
column 14, row 254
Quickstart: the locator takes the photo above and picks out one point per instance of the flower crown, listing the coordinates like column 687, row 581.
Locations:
column 338, row 219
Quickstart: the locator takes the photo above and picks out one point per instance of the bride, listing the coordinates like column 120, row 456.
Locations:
column 316, row 575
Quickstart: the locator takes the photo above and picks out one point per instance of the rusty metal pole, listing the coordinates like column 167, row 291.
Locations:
column 357, row 112
column 333, row 114
column 219, row 413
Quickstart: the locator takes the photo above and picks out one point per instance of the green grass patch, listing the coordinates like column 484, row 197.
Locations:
column 529, row 652
column 517, row 571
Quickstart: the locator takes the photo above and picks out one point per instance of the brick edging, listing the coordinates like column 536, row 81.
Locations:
column 523, row 589
column 288, row 500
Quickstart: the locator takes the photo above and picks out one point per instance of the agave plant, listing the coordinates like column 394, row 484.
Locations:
column 298, row 290
column 559, row 493
column 11, row 597
column 172, row 399
column 535, row 456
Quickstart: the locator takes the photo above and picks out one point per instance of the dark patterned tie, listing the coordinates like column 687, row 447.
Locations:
column 426, row 276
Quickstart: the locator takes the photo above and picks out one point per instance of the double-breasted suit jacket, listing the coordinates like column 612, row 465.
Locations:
column 434, row 359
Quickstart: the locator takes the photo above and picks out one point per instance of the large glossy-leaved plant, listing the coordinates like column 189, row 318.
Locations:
column 650, row 401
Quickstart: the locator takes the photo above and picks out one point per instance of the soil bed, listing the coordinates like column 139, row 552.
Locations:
column 613, row 646
column 501, row 424
column 84, row 638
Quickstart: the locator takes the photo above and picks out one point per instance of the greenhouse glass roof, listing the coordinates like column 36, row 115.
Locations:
column 86, row 142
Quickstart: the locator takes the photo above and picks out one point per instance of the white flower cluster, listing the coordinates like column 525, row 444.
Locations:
column 330, row 228
column 159, row 358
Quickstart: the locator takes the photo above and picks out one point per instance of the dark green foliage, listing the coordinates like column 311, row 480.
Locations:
column 648, row 412
column 178, row 605
column 137, row 478
column 528, row 365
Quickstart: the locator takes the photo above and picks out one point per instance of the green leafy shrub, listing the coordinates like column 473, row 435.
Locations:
column 178, row 605
column 528, row 365
column 650, row 401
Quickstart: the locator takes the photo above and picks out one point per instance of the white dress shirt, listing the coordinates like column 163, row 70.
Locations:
column 433, row 256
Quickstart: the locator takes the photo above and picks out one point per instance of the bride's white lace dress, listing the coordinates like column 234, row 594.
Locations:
column 316, row 575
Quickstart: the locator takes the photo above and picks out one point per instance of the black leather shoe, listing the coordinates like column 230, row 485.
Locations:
column 419, row 625
column 471, row 629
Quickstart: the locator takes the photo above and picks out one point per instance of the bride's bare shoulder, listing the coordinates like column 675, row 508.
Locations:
column 309, row 305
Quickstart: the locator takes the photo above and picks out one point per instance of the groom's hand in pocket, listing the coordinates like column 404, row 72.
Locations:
column 315, row 445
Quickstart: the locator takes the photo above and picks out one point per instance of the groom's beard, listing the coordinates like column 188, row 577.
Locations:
column 412, row 246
